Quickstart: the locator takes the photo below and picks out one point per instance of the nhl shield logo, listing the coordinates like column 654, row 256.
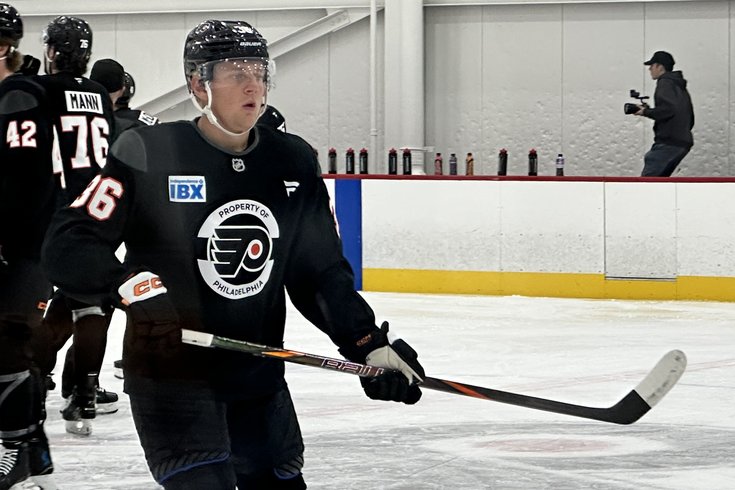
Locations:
column 238, row 165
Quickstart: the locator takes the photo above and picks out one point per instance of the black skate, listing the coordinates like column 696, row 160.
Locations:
column 14, row 467
column 39, row 456
column 106, row 401
column 118, row 369
column 40, row 462
column 81, row 408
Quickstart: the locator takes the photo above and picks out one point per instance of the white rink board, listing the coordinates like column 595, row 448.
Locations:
column 640, row 230
column 419, row 225
column 552, row 227
column 706, row 229
column 635, row 229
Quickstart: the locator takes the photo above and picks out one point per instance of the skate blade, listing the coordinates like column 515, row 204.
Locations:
column 26, row 485
column 119, row 373
column 81, row 427
column 106, row 408
column 45, row 482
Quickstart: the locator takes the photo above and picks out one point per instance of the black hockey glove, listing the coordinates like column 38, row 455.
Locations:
column 153, row 319
column 400, row 384
column 29, row 66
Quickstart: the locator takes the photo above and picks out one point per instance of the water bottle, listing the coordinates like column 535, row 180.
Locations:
column 406, row 161
column 350, row 161
column 332, row 159
column 532, row 162
column 503, row 162
column 560, row 165
column 363, row 161
column 452, row 164
column 469, row 164
column 392, row 161
column 438, row 164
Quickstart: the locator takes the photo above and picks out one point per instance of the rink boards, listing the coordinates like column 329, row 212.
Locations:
column 582, row 237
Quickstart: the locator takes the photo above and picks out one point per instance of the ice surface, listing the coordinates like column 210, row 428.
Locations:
column 588, row 352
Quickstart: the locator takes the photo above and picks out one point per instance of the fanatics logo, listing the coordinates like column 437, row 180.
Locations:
column 187, row 188
column 290, row 187
column 239, row 247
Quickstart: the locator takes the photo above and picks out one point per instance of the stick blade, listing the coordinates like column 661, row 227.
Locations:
column 662, row 377
column 196, row 338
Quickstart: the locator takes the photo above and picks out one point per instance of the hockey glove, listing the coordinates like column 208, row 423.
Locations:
column 29, row 66
column 153, row 319
column 401, row 383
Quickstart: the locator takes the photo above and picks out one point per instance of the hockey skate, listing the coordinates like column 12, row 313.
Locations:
column 106, row 401
column 118, row 369
column 14, row 467
column 39, row 460
column 81, row 408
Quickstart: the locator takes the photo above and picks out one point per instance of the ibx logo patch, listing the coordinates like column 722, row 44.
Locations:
column 187, row 188
column 239, row 245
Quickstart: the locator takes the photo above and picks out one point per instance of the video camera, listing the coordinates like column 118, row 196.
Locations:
column 629, row 108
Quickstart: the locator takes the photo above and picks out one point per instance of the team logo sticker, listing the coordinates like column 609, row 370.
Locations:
column 239, row 245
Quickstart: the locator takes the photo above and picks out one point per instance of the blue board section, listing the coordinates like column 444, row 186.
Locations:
column 348, row 207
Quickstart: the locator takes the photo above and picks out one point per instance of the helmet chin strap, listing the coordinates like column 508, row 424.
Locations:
column 207, row 111
column 47, row 62
column 8, row 53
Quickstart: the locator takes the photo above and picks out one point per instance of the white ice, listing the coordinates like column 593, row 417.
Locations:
column 589, row 352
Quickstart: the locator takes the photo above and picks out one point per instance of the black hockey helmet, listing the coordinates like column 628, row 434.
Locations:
column 71, row 40
column 215, row 40
column 11, row 25
column 272, row 117
column 128, row 91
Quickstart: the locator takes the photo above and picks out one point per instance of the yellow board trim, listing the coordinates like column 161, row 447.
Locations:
column 561, row 285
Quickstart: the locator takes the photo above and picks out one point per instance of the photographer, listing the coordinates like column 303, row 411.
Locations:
column 673, row 116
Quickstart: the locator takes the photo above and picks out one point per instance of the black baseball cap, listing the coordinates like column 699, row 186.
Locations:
column 108, row 73
column 663, row 58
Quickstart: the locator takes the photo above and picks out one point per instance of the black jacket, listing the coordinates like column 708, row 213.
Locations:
column 673, row 113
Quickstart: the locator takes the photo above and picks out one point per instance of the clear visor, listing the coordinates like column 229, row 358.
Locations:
column 239, row 71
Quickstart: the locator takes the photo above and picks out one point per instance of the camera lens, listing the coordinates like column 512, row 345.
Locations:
column 630, row 108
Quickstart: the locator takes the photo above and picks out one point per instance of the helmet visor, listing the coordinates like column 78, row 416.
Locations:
column 235, row 72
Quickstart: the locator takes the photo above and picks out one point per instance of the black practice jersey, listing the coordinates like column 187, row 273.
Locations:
column 26, row 173
column 126, row 118
column 225, row 232
column 81, row 111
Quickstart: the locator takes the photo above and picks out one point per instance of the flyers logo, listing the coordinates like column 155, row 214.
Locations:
column 233, row 249
column 238, row 238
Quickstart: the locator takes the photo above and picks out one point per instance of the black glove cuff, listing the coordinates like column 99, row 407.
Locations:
column 359, row 350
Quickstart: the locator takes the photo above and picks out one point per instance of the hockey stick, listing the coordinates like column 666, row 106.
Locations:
column 632, row 407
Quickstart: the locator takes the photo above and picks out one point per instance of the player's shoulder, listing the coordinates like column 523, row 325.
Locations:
column 20, row 93
column 135, row 146
column 290, row 145
column 66, row 82
column 290, row 150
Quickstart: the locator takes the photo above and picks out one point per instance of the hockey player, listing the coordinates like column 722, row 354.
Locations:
column 26, row 205
column 123, row 110
column 81, row 112
column 220, row 218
